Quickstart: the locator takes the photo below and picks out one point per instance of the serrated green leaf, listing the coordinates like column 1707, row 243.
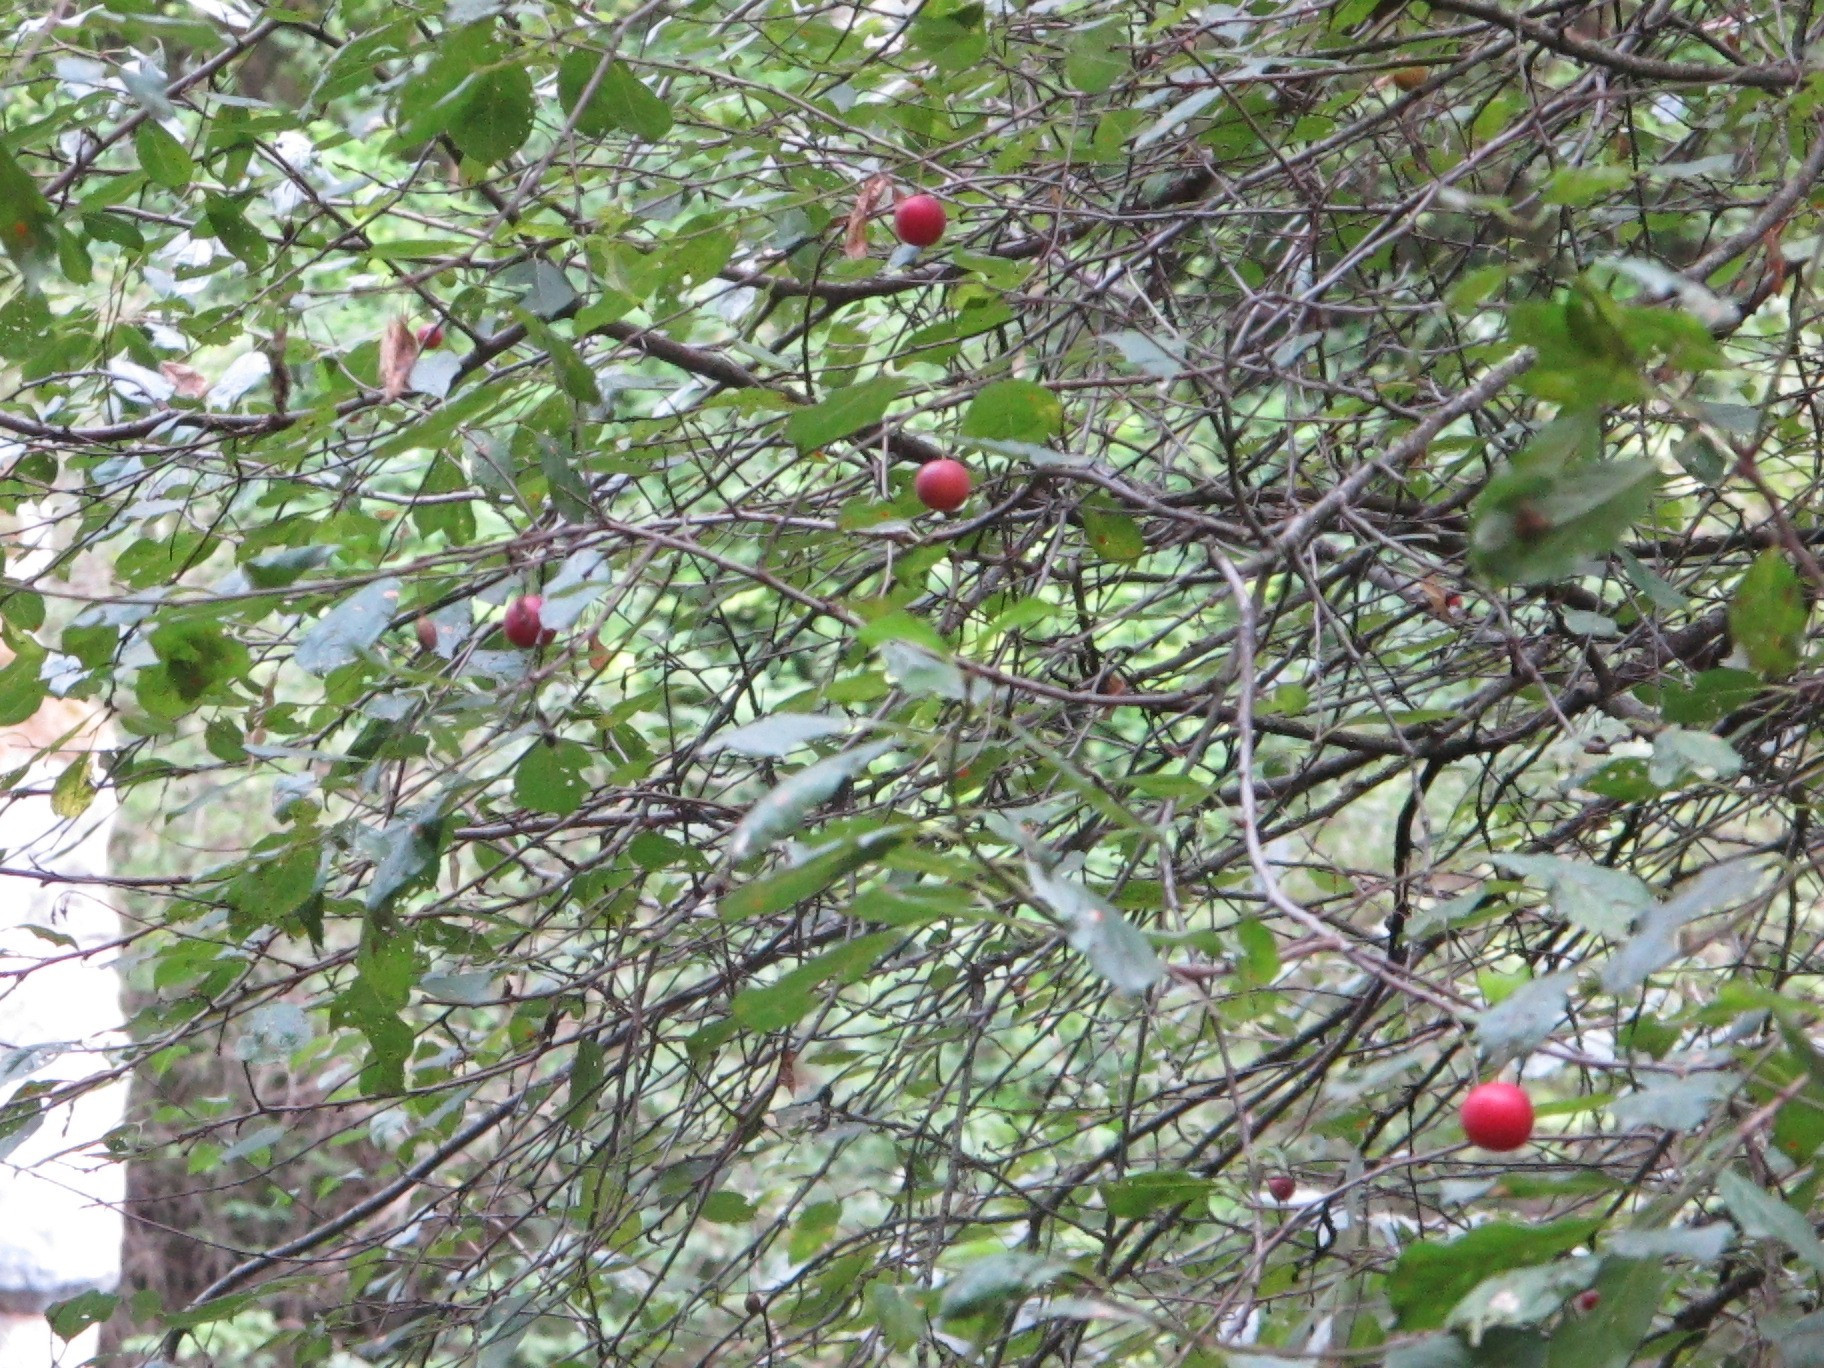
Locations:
column 163, row 157
column 1094, row 59
column 1767, row 615
column 621, row 99
column 1432, row 1276
column 774, row 1006
column 784, row 810
column 549, row 777
column 1014, row 411
column 842, row 412
column 72, row 793
column 349, row 629
column 494, row 115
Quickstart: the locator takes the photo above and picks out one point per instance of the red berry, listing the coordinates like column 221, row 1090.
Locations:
column 942, row 485
column 427, row 633
column 522, row 626
column 1281, row 1186
column 1587, row 1300
column 1497, row 1116
column 430, row 337
column 919, row 220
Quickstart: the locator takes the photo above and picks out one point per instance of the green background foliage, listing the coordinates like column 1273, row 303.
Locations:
column 1375, row 656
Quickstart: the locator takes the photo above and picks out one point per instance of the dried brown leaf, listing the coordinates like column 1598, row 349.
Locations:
column 188, row 381
column 867, row 200
column 398, row 354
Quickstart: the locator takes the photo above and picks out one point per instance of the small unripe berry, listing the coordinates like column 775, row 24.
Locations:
column 919, row 220
column 942, row 485
column 1497, row 1116
column 1281, row 1186
column 522, row 625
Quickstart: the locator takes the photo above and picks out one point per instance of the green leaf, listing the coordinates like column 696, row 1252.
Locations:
column 1655, row 943
column 72, row 793
column 70, row 1318
column 353, row 626
column 727, row 1208
column 549, row 777
column 1130, row 1199
column 25, row 223
column 1014, row 411
column 784, row 810
column 277, row 569
column 273, row 888
column 1111, row 944
column 994, row 1282
column 579, row 581
column 1259, row 952
column 1602, row 901
column 1530, row 525
column 407, row 854
column 1524, row 1296
column 842, row 412
column 1677, row 753
column 21, row 688
column 1763, row 1216
column 1767, row 615
column 1114, row 536
column 495, row 114
column 1522, row 1020
column 1432, row 1276
column 774, row 1006
column 586, row 1075
column 1580, row 185
column 778, row 735
column 1698, row 1244
column 163, row 157
column 1681, row 1105
column 621, row 99
column 197, row 662
column 797, row 883
column 901, row 1322
column 1708, row 698
column 1095, row 60
column 228, row 221
column 573, row 375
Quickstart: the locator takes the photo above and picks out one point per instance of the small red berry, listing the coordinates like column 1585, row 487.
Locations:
column 522, row 625
column 1281, row 1186
column 427, row 633
column 1587, row 1300
column 919, row 220
column 430, row 337
column 1497, row 1116
column 942, row 485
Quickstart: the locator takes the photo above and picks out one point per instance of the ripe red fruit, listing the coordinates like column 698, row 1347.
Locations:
column 919, row 220
column 427, row 633
column 430, row 337
column 1281, row 1186
column 1587, row 1300
column 942, row 485
column 1497, row 1116
column 522, row 626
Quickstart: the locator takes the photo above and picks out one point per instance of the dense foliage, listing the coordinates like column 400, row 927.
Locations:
column 1373, row 658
